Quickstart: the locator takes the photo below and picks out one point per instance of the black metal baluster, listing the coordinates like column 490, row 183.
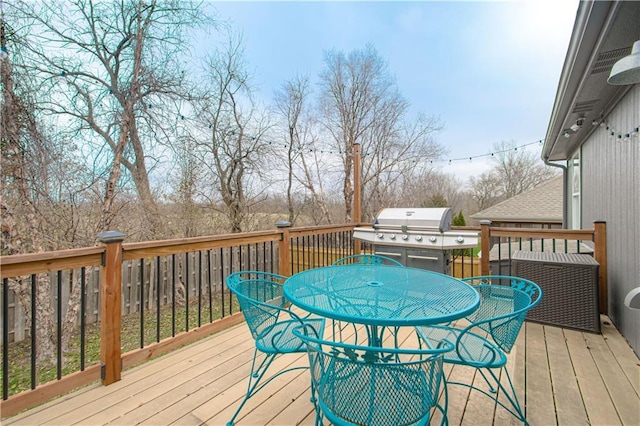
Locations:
column 222, row 279
column 173, row 295
column 141, row 304
column 305, row 252
column 325, row 250
column 34, row 351
column 210, row 274
column 231, row 269
column 499, row 256
column 509, row 240
column 186, row 290
column 83, row 314
column 297, row 255
column 5, row 338
column 59, row 327
column 199, row 288
column 158, row 285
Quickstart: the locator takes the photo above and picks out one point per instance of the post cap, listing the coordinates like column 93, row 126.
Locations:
column 111, row 237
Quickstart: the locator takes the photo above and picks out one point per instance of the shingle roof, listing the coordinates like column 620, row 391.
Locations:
column 542, row 203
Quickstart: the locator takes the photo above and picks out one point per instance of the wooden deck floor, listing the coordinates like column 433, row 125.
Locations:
column 564, row 377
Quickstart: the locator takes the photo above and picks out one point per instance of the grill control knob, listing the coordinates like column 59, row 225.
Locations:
column 418, row 237
column 392, row 236
column 433, row 239
column 380, row 235
column 405, row 237
column 460, row 240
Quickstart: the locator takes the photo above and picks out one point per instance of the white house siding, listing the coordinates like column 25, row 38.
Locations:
column 611, row 192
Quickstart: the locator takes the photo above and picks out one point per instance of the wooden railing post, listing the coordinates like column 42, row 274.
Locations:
column 111, row 306
column 600, row 255
column 284, row 249
column 357, row 194
column 485, row 247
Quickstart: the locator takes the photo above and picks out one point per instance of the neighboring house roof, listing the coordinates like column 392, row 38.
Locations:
column 604, row 32
column 540, row 204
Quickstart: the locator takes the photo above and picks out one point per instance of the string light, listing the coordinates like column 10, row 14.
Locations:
column 620, row 135
column 612, row 132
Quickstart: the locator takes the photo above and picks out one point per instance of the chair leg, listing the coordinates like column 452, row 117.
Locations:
column 254, row 380
column 444, row 407
column 495, row 384
column 510, row 394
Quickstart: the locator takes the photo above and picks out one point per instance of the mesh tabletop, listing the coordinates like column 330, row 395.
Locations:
column 381, row 295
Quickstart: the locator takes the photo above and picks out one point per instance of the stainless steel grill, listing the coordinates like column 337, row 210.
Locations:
column 417, row 237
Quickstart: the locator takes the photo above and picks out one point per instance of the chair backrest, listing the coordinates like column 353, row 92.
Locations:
column 372, row 385
column 367, row 259
column 504, row 303
column 261, row 298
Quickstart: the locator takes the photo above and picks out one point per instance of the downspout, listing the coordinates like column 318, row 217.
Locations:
column 565, row 189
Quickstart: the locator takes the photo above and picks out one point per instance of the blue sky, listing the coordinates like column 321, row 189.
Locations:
column 489, row 70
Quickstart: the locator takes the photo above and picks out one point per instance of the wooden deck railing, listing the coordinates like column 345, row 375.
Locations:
column 492, row 236
column 200, row 266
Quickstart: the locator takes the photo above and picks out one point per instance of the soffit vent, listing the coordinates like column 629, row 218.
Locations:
column 585, row 106
column 606, row 59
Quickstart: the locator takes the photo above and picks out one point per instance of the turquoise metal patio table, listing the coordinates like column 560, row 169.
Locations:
column 381, row 296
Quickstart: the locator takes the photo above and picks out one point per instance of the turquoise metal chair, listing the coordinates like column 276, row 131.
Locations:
column 364, row 385
column 271, row 322
column 490, row 334
column 367, row 259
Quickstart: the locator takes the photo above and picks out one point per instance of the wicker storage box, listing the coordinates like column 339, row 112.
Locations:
column 569, row 284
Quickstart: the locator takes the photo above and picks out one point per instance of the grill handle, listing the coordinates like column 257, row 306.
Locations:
column 412, row 256
column 384, row 253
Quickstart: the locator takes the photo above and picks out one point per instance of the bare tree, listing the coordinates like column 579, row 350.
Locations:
column 79, row 77
column 432, row 188
column 397, row 153
column 485, row 189
column 186, row 178
column 290, row 102
column 303, row 163
column 515, row 171
column 360, row 103
column 236, row 130
column 107, row 69
column 37, row 195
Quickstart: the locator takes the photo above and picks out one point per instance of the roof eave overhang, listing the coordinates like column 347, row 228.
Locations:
column 600, row 26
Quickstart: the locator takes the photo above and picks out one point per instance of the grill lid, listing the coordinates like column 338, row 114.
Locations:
column 428, row 219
